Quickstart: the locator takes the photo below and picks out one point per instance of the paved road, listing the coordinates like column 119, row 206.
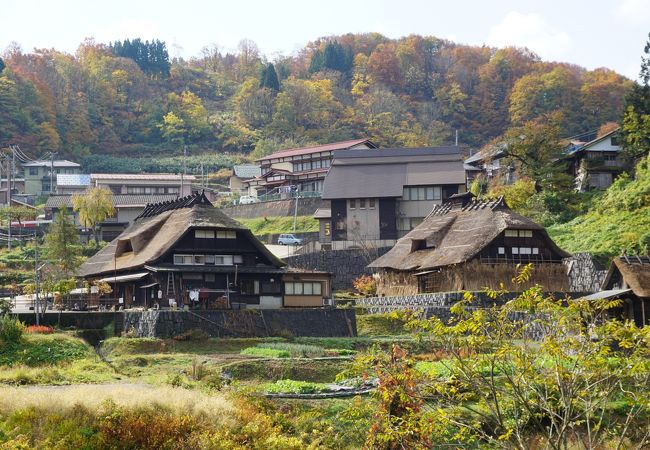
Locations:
column 282, row 251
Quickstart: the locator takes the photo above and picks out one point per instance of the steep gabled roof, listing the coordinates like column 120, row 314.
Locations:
column 149, row 238
column 246, row 171
column 577, row 148
column 455, row 235
column 343, row 145
column 635, row 271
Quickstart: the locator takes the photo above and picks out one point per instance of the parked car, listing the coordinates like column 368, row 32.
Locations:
column 289, row 239
column 248, row 199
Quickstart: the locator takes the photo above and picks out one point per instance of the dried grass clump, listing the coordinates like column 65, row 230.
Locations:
column 60, row 398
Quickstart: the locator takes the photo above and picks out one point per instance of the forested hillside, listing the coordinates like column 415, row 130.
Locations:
column 128, row 98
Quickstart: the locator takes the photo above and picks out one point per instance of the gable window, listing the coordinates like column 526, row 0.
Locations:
column 209, row 259
column 199, row 259
column 502, row 250
column 204, row 234
column 226, row 234
column 238, row 259
column 515, row 250
column 33, row 170
column 535, row 251
column 518, row 233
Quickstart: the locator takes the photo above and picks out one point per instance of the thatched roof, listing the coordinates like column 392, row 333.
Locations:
column 149, row 238
column 635, row 271
column 455, row 234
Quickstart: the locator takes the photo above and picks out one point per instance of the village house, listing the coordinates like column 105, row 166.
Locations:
column 187, row 252
column 466, row 244
column 40, row 176
column 299, row 169
column 595, row 164
column 628, row 279
column 72, row 183
column 379, row 195
column 127, row 208
column 238, row 183
column 144, row 183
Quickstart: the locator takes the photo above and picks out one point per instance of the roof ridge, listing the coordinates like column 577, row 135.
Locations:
column 153, row 209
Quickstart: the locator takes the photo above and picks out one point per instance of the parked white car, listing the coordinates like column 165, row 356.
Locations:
column 248, row 200
column 289, row 239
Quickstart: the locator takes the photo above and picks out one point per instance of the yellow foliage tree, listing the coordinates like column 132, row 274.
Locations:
column 93, row 207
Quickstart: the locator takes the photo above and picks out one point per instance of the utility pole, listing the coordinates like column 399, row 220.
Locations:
column 36, row 287
column 183, row 172
column 52, row 155
column 456, row 138
column 295, row 211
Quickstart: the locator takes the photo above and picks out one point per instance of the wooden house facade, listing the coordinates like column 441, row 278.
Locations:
column 187, row 252
column 465, row 244
column 628, row 279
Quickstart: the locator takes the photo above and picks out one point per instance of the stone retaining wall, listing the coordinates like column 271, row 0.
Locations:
column 278, row 208
column 345, row 265
column 585, row 273
column 245, row 323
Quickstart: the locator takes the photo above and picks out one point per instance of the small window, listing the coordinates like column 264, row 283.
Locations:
column 511, row 233
column 288, row 288
column 535, row 251
column 308, row 289
column 502, row 250
column 297, row 289
column 178, row 259
column 218, row 260
column 353, row 203
column 371, row 203
column 525, row 250
column 362, row 203
column 406, row 194
column 515, row 251
column 250, row 287
column 183, row 259
column 33, row 170
column 199, row 260
column 226, row 234
column 437, row 193
column 204, row 234
column 238, row 259
column 317, row 289
column 525, row 233
column 209, row 259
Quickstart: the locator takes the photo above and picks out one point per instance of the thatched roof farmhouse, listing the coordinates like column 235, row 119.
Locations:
column 466, row 244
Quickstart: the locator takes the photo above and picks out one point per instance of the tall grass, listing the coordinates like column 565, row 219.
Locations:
column 62, row 398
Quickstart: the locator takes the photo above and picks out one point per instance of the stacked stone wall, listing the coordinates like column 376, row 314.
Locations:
column 585, row 273
column 345, row 265
column 278, row 208
column 245, row 323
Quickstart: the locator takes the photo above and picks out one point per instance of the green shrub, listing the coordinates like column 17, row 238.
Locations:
column 380, row 324
column 194, row 334
column 265, row 352
column 37, row 350
column 295, row 350
column 295, row 387
column 11, row 329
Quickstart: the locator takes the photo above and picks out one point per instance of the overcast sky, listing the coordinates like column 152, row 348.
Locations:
column 596, row 33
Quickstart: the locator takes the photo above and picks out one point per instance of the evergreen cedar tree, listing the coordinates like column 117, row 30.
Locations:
column 151, row 57
column 128, row 98
column 269, row 78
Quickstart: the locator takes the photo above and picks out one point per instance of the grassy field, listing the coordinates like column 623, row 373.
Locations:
column 276, row 225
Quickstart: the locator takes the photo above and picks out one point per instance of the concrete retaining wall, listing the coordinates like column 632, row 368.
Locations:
column 278, row 208
column 71, row 319
column 345, row 265
column 246, row 323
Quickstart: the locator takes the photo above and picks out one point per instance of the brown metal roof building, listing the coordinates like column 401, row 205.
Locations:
column 379, row 195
